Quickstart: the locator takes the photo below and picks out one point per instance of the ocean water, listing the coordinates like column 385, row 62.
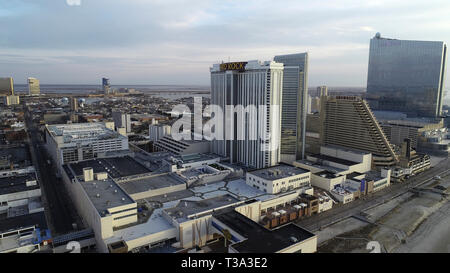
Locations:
column 85, row 89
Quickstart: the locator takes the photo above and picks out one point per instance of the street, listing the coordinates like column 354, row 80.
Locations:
column 59, row 213
column 341, row 212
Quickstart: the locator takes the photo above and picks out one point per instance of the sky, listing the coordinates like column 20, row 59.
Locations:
column 175, row 42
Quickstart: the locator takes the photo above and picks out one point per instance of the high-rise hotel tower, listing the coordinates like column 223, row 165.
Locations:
column 33, row 87
column 406, row 76
column 293, row 117
column 249, row 84
column 6, row 86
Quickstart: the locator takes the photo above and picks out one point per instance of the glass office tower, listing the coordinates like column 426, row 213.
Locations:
column 294, row 107
column 406, row 76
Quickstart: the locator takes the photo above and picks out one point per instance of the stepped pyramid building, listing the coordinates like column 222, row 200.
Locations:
column 349, row 122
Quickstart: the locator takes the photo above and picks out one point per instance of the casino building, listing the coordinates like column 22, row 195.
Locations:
column 249, row 84
column 77, row 142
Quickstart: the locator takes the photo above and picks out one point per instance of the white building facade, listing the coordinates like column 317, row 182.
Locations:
column 279, row 179
column 33, row 86
column 77, row 142
column 122, row 120
column 248, row 84
column 157, row 131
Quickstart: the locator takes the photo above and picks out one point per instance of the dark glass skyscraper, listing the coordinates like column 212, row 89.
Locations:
column 406, row 76
column 105, row 85
column 293, row 113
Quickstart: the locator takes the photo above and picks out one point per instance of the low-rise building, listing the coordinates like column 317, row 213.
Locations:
column 102, row 204
column 247, row 236
column 345, row 174
column 23, row 226
column 411, row 162
column 279, row 178
column 82, row 141
column 182, row 147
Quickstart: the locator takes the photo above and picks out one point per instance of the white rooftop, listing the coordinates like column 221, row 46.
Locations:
column 82, row 131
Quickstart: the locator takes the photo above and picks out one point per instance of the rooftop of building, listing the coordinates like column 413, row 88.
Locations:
column 192, row 140
column 327, row 174
column 320, row 166
column 106, row 194
column 132, row 138
column 414, row 123
column 402, row 118
column 278, row 172
column 116, row 167
column 379, row 37
column 16, row 241
column 82, row 131
column 343, row 191
column 16, row 154
column 185, row 208
column 260, row 239
column 352, row 175
column 150, row 183
column 18, row 183
column 23, row 221
column 335, row 159
column 191, row 173
column 191, row 158
column 373, row 175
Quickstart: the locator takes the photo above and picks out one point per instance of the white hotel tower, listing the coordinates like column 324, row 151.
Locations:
column 256, row 84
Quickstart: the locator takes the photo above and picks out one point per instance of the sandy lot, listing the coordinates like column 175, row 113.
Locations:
column 432, row 236
column 409, row 223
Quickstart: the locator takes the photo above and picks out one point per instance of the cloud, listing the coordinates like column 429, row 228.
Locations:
column 162, row 41
column 73, row 2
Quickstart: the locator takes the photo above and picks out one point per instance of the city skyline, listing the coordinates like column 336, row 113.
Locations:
column 174, row 43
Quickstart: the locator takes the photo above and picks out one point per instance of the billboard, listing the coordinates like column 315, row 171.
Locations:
column 233, row 66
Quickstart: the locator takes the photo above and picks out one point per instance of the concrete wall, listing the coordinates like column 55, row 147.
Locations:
column 364, row 158
column 102, row 226
column 52, row 149
column 276, row 186
column 343, row 198
column 312, row 169
column 160, row 191
column 152, row 238
column 195, row 232
column 251, row 211
column 326, row 183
